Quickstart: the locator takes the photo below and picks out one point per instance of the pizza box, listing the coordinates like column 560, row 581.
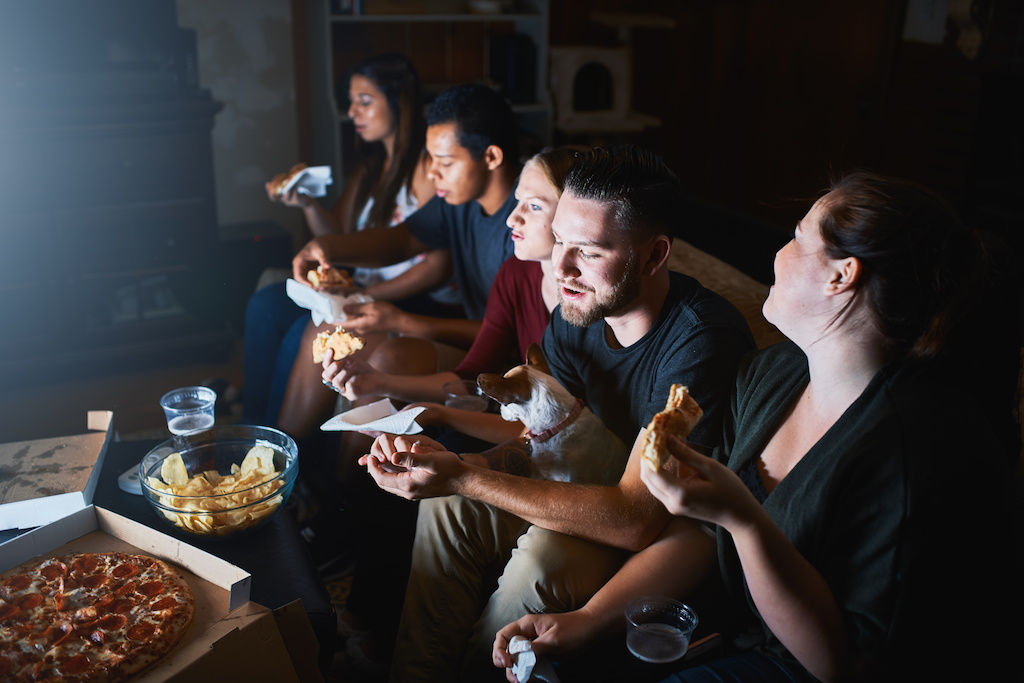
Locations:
column 47, row 479
column 229, row 636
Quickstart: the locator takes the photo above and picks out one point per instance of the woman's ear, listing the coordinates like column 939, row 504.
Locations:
column 845, row 276
column 494, row 157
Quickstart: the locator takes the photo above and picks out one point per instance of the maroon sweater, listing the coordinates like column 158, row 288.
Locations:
column 515, row 318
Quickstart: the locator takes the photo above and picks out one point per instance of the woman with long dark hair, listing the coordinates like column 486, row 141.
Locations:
column 388, row 184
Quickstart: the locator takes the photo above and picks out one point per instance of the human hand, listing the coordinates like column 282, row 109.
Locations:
column 309, row 258
column 353, row 376
column 550, row 633
column 412, row 467
column 694, row 485
column 376, row 316
column 290, row 198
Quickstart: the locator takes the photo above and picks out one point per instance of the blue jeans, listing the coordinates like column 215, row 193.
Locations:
column 742, row 667
column 273, row 330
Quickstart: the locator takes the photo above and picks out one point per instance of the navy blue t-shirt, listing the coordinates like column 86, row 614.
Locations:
column 697, row 340
column 479, row 244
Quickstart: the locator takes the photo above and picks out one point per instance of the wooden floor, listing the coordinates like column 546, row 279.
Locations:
column 57, row 408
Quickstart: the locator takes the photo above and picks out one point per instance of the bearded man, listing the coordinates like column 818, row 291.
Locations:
column 492, row 543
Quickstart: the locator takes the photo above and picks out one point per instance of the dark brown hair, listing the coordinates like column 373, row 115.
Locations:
column 937, row 290
column 646, row 195
column 396, row 78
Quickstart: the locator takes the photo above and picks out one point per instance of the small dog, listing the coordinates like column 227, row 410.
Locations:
column 569, row 442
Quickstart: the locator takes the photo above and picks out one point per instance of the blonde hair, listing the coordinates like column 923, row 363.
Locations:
column 555, row 163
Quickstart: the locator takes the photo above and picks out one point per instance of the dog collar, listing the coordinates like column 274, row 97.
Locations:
column 566, row 421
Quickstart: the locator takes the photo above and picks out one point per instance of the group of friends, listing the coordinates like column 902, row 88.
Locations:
column 843, row 509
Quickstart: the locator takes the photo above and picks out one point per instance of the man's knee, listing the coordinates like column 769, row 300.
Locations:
column 549, row 571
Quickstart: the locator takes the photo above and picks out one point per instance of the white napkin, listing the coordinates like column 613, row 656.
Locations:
column 312, row 181
column 323, row 307
column 379, row 416
column 525, row 664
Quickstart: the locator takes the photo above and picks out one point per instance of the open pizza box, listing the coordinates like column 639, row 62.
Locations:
column 47, row 479
column 230, row 638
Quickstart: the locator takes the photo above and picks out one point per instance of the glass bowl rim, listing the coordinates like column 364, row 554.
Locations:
column 291, row 468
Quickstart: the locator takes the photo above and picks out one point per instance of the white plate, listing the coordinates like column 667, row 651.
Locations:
column 379, row 416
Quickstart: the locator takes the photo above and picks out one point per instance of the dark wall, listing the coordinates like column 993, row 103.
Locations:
column 761, row 101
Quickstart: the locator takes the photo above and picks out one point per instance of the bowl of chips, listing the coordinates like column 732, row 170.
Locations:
column 222, row 480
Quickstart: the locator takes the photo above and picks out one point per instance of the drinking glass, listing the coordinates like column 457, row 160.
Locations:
column 188, row 409
column 658, row 630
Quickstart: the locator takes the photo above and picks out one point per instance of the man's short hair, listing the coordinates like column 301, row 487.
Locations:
column 646, row 195
column 482, row 118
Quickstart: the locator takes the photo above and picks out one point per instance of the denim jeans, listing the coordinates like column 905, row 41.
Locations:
column 742, row 667
column 273, row 330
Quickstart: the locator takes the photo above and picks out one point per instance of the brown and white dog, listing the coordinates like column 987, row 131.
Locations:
column 569, row 442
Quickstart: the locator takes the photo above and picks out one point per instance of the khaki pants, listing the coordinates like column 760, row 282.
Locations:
column 476, row 568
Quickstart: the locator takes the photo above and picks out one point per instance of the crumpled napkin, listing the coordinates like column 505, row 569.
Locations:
column 312, row 181
column 525, row 664
column 379, row 416
column 323, row 307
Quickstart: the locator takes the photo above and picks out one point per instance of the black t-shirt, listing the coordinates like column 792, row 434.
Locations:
column 479, row 244
column 697, row 340
column 899, row 506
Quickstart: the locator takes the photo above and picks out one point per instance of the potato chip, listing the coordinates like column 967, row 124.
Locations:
column 173, row 471
column 208, row 502
column 259, row 459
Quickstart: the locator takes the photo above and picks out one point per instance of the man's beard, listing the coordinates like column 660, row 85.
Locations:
column 623, row 292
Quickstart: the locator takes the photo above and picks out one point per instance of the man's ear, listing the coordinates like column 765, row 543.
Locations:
column 494, row 157
column 535, row 357
column 844, row 277
column 658, row 251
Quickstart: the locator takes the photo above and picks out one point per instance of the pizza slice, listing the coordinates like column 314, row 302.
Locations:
column 340, row 342
column 679, row 417
column 281, row 180
column 326, row 276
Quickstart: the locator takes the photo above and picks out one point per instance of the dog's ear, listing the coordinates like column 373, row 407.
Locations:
column 535, row 357
column 514, row 387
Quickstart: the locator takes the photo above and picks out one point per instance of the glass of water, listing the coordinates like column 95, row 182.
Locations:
column 465, row 395
column 188, row 409
column 658, row 630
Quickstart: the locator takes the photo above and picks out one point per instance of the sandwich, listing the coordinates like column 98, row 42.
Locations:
column 281, row 180
column 341, row 343
column 326, row 276
column 680, row 416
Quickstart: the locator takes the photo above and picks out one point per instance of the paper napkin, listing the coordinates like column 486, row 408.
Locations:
column 379, row 416
column 323, row 307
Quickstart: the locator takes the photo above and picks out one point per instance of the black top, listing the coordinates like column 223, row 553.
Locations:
column 901, row 506
column 697, row 340
column 479, row 244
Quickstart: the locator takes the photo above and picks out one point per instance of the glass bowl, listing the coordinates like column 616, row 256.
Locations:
column 227, row 510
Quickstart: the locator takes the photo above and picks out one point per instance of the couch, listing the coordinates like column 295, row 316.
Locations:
column 744, row 292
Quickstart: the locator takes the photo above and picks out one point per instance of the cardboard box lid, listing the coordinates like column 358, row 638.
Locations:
column 46, row 479
column 235, row 581
column 228, row 634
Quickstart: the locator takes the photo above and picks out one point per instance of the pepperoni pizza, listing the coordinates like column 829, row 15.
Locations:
column 89, row 616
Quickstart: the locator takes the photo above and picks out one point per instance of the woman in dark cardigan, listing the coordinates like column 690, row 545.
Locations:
column 860, row 502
